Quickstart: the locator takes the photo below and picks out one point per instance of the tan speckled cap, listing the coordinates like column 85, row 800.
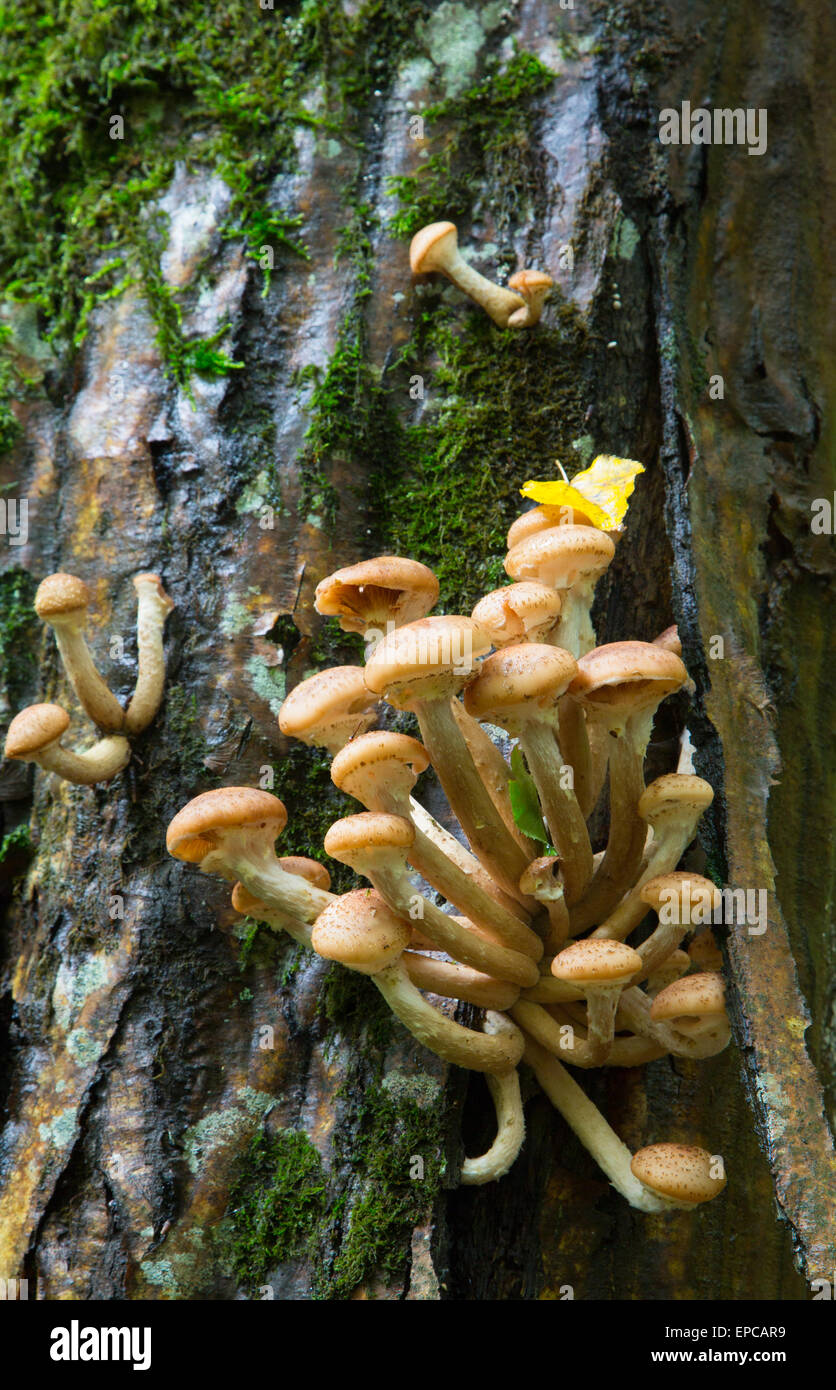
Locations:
column 597, row 962
column 685, row 893
column 360, row 931
column 353, row 838
column 681, row 1172
column 34, row 729
column 561, row 556
column 519, row 612
column 701, row 995
column 387, row 589
column 309, row 869
column 62, row 597
column 520, row 682
column 329, row 708
column 627, row 675
column 379, row 758
column 427, row 659
column 543, row 518
column 199, row 827
column 433, row 247
column 675, row 791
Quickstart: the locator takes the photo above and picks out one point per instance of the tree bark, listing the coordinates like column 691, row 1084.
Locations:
column 187, row 1120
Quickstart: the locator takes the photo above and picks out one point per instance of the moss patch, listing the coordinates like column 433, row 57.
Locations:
column 275, row 1204
column 18, row 626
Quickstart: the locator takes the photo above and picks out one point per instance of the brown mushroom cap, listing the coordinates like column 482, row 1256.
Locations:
column 152, row 581
column 673, row 792
column 542, row 878
column 543, row 518
column 427, row 659
column 375, row 592
column 328, row 707
column 682, row 891
column 360, row 931
column 681, row 1172
column 530, row 282
column 379, row 757
column 34, row 729
column 309, row 869
column 669, row 639
column 561, row 556
column 629, row 676
column 351, row 839
column 432, row 247
column 62, row 597
column 697, row 996
column 597, row 962
column 519, row 683
column 198, row 828
column 513, row 613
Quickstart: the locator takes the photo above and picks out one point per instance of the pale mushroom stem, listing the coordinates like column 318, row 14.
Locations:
column 574, row 1046
column 463, row 859
column 627, row 835
column 153, row 607
column 634, row 1013
column 574, row 631
column 609, row 1152
column 574, row 748
column 670, row 840
column 489, row 837
column 393, row 885
column 560, row 808
column 97, row 764
column 499, row 303
column 462, row 1046
column 95, row 695
column 510, row 1120
column 493, row 770
column 244, row 857
column 452, row 980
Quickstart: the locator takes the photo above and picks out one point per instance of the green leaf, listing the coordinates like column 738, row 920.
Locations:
column 524, row 801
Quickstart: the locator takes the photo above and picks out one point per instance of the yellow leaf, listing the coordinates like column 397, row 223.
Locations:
column 601, row 492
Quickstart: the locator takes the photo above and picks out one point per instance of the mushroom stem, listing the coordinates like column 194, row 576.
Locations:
column 454, row 981
column 563, row 1038
column 634, row 1013
column 492, row 843
column 243, row 856
column 609, row 1152
column 493, row 770
column 510, row 1120
column 153, row 607
column 574, row 631
column 627, row 835
column 560, row 807
column 574, row 749
column 100, row 763
column 476, row 1051
column 462, row 858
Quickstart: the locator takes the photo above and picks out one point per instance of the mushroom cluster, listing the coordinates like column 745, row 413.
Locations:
column 34, row 735
column 538, row 940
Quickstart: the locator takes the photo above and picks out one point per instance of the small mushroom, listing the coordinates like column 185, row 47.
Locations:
column 62, row 601
column 570, row 559
column 362, row 931
column 329, row 708
column 678, row 898
column 543, row 518
column 533, row 285
column 544, row 882
column 377, row 594
column 669, row 639
column 376, row 845
column 436, row 248
column 560, row 1034
column 231, row 831
column 695, row 1006
column 34, row 736
column 153, row 607
column 660, row 1183
column 524, row 612
column 603, row 970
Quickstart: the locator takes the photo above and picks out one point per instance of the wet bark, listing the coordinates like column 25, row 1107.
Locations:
column 136, row 1073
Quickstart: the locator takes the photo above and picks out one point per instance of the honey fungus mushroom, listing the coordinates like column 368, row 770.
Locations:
column 435, row 248
column 62, row 602
column 329, row 708
column 34, row 736
column 153, row 607
column 374, row 595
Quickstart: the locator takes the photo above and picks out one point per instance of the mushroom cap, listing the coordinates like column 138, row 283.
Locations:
column 530, row 282
column 360, row 931
column 198, row 828
column 150, row 581
column 433, row 247
column 695, row 996
column 245, row 901
column 519, row 683
column 353, row 838
column 683, row 891
column 382, row 758
column 669, row 639
column 627, row 676
column 328, row 707
column 675, row 791
column 542, row 878
column 596, row 962
column 561, row 556
column 681, row 1172
column 388, row 588
column 704, row 952
column 428, row 659
column 34, row 729
column 517, row 611
column 309, row 869
column 544, row 518
column 60, row 596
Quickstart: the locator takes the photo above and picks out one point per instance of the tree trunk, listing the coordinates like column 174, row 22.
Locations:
column 189, row 1114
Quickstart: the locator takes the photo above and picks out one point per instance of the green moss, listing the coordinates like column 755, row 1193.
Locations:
column 352, row 1007
column 394, row 1128
column 186, row 741
column 303, row 782
column 18, row 629
column 484, row 141
column 276, row 1202
column 16, row 849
